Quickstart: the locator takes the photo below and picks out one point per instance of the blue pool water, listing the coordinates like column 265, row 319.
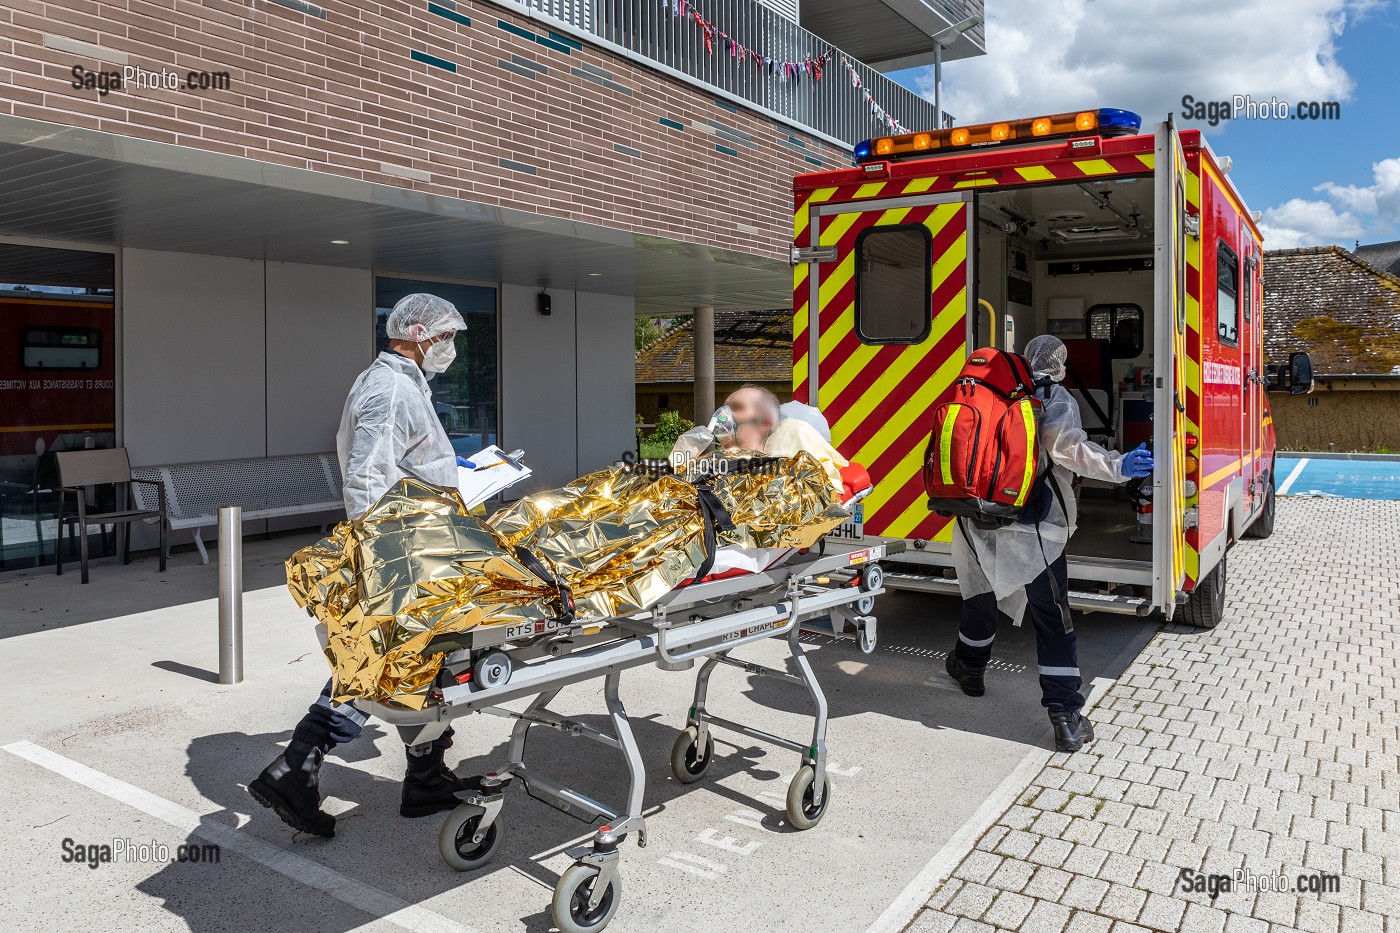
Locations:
column 1344, row 479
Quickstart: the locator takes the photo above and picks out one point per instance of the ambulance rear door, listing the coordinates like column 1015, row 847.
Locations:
column 889, row 330
column 1170, row 385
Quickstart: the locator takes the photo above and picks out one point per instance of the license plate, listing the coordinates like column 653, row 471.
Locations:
column 852, row 530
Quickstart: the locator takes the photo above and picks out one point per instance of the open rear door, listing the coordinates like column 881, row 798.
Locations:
column 889, row 332
column 1169, row 400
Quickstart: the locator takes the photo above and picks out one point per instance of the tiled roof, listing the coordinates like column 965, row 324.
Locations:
column 750, row 346
column 1384, row 256
column 1341, row 309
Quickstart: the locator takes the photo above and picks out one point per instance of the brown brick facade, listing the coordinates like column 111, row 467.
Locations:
column 342, row 95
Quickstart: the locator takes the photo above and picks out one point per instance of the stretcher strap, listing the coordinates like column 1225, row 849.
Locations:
column 540, row 569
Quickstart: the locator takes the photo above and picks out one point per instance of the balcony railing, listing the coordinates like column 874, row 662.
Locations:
column 831, row 107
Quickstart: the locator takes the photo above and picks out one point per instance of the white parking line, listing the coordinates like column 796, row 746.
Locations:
column 357, row 894
column 1288, row 483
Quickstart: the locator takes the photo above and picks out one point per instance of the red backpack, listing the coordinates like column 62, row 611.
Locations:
column 983, row 451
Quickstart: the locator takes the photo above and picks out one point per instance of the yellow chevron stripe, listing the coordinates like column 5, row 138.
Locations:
column 871, row 190
column 920, row 185
column 1035, row 173
column 1149, row 161
column 908, row 416
column 799, row 276
column 1096, row 167
column 833, row 283
column 803, row 215
column 982, row 182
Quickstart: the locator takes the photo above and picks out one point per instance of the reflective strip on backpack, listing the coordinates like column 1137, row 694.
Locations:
column 945, row 444
column 1028, row 416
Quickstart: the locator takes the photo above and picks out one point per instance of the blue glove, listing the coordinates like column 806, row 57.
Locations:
column 1137, row 463
column 464, row 462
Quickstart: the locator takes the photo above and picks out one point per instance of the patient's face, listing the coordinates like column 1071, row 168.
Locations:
column 754, row 416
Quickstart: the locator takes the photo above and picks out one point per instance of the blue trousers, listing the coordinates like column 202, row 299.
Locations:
column 1056, row 645
column 327, row 725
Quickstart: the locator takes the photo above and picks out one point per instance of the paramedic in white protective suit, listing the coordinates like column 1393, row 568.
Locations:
column 1021, row 567
column 389, row 431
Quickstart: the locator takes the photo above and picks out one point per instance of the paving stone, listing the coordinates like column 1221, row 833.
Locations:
column 1162, row 912
column 931, row 921
column 1201, row 919
column 1046, row 917
column 971, row 901
column 1008, row 910
column 1084, row 893
column 978, row 867
column 1122, row 903
column 1083, row 922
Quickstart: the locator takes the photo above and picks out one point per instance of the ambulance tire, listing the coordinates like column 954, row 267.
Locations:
column 1263, row 525
column 1206, row 607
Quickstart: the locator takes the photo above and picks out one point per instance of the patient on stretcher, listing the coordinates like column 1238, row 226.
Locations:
column 751, row 420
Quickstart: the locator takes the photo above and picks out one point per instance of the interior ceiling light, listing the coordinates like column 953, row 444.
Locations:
column 340, row 242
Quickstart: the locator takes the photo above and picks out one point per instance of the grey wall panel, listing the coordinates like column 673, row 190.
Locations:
column 320, row 336
column 539, row 385
column 606, row 365
column 194, row 357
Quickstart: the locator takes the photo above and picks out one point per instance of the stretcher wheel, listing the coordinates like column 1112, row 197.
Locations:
column 571, row 894
column 684, row 753
column 866, row 637
column 455, row 843
column 801, row 812
column 871, row 578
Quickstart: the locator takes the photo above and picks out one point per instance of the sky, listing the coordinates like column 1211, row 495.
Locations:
column 1316, row 182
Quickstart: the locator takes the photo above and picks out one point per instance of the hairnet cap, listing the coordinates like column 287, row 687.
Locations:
column 1047, row 355
column 421, row 316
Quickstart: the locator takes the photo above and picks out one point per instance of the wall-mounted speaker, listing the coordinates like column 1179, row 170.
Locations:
column 544, row 303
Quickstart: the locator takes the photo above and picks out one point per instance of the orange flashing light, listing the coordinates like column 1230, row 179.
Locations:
column 1060, row 124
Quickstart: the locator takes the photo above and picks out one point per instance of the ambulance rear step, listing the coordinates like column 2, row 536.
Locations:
column 1078, row 599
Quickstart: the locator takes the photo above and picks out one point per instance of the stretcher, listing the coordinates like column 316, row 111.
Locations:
column 829, row 589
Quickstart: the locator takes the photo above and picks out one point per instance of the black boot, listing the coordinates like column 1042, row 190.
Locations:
column 429, row 786
column 1072, row 730
column 291, row 787
column 968, row 679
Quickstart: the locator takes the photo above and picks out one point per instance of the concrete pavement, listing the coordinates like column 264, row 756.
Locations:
column 117, row 732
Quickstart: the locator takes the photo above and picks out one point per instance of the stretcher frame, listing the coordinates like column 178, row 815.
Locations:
column 831, row 589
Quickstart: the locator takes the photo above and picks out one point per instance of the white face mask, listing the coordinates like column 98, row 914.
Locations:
column 439, row 356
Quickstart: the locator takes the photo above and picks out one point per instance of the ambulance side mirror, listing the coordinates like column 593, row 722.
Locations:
column 1300, row 374
column 1295, row 377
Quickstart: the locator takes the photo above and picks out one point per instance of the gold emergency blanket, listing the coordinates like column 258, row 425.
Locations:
column 419, row 565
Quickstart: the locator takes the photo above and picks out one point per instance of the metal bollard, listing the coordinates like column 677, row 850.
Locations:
column 231, row 594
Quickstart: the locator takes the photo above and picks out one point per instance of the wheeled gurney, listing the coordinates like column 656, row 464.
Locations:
column 829, row 589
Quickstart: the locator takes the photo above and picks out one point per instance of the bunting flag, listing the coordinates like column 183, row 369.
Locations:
column 782, row 70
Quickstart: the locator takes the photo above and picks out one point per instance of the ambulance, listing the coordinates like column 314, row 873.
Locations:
column 1135, row 249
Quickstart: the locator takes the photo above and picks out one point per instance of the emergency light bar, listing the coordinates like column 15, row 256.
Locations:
column 1105, row 122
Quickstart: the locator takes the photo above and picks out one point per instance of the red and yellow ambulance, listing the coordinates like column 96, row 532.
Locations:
column 1135, row 249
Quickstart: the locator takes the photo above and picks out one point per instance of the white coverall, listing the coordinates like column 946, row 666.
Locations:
column 390, row 431
column 1009, row 558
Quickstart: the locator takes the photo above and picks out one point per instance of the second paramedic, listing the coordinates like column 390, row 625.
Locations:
column 389, row 431
column 1021, row 567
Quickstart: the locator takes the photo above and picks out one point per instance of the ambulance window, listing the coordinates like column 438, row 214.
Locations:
column 1120, row 325
column 61, row 348
column 894, row 282
column 1227, row 290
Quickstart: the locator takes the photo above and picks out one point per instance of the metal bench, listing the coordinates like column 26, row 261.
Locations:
column 266, row 487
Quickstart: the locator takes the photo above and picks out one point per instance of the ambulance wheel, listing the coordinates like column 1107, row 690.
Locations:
column 455, row 843
column 801, row 812
column 1206, row 607
column 1263, row 525
column 685, row 752
column 571, row 894
column 871, row 578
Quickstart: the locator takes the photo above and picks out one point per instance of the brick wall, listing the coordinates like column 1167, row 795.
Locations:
column 462, row 99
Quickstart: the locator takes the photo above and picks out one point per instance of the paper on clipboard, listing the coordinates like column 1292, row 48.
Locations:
column 494, row 472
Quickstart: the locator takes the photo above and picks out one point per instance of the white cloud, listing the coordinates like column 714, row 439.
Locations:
column 1345, row 214
column 1048, row 56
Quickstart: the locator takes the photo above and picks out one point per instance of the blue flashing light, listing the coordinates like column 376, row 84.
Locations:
column 1119, row 122
column 863, row 150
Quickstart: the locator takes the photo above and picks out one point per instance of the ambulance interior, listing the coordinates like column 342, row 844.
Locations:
column 1075, row 260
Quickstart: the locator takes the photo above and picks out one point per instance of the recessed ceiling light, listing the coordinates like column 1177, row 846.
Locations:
column 340, row 242
column 594, row 275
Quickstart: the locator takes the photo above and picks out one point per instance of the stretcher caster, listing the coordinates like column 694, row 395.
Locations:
column 461, row 842
column 866, row 637
column 687, row 764
column 872, row 577
column 577, row 908
column 802, row 813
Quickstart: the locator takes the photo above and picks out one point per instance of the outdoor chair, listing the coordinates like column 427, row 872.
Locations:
column 81, row 470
